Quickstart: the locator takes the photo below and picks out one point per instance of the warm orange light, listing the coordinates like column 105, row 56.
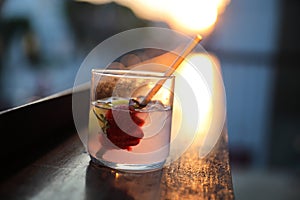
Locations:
column 200, row 87
column 193, row 16
column 189, row 16
column 198, row 71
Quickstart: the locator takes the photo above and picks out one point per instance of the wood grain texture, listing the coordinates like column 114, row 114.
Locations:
column 53, row 164
column 67, row 173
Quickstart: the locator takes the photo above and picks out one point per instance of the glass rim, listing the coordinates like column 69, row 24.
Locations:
column 132, row 73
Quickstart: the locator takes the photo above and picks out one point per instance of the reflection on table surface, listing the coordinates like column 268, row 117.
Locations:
column 66, row 173
column 104, row 183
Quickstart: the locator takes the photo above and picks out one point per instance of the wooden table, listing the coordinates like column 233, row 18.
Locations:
column 63, row 169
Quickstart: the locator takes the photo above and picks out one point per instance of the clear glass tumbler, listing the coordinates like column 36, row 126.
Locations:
column 123, row 134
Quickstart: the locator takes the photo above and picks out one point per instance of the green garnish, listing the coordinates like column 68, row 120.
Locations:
column 104, row 123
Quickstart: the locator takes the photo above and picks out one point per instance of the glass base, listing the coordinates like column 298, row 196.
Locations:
column 132, row 168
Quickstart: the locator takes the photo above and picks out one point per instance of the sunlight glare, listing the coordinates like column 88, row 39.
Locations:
column 189, row 16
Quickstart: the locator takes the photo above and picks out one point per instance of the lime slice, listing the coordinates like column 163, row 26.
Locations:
column 100, row 112
column 120, row 102
column 93, row 123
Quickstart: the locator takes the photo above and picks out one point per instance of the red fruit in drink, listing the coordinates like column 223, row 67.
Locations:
column 124, row 127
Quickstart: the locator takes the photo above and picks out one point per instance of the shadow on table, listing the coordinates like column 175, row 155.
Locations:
column 105, row 183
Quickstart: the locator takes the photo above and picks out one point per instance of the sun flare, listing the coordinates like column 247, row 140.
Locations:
column 189, row 16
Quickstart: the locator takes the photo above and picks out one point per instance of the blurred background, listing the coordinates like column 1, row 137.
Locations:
column 43, row 42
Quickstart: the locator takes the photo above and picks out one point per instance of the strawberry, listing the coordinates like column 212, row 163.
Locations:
column 123, row 131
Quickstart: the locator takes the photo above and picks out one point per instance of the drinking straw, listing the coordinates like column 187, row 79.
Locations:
column 173, row 67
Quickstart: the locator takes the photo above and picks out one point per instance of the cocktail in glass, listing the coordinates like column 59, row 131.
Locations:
column 123, row 133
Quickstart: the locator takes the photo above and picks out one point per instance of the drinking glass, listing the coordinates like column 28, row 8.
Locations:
column 123, row 134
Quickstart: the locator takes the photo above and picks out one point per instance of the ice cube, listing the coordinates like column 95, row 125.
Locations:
column 155, row 106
